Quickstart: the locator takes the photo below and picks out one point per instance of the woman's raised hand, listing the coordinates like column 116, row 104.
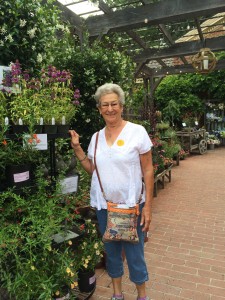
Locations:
column 75, row 143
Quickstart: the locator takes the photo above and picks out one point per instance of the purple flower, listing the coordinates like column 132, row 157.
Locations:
column 76, row 102
column 15, row 80
column 76, row 94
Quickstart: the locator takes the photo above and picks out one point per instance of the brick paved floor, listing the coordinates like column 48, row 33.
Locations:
column 186, row 249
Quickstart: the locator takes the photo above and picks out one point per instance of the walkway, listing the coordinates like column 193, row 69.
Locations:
column 186, row 249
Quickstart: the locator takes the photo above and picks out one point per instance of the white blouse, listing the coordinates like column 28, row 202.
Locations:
column 119, row 166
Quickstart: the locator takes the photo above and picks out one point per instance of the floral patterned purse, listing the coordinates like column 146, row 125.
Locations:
column 121, row 219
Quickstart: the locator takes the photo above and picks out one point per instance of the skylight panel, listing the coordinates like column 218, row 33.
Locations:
column 82, row 8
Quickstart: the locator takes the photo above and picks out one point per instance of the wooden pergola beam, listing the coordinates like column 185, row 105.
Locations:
column 176, row 70
column 152, row 14
column 180, row 49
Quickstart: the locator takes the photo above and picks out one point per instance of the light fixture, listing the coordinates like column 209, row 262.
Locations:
column 204, row 61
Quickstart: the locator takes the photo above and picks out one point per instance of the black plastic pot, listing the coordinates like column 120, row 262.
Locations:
column 19, row 175
column 50, row 129
column 86, row 280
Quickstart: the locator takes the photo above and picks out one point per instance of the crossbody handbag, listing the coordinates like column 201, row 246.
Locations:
column 121, row 219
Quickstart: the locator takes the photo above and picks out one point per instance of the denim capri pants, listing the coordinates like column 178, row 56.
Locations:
column 134, row 253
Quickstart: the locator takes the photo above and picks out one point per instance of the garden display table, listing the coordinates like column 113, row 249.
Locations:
column 160, row 178
column 193, row 140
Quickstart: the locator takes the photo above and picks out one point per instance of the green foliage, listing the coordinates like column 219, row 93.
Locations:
column 175, row 97
column 31, row 267
column 170, row 149
column 83, row 193
column 3, row 108
column 137, row 98
column 28, row 28
column 171, row 111
column 49, row 94
column 89, row 252
column 92, row 67
column 210, row 86
column 18, row 151
column 189, row 93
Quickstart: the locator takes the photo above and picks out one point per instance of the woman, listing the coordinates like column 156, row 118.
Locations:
column 123, row 158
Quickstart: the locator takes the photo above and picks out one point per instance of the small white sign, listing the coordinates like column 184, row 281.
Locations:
column 69, row 235
column 92, row 279
column 43, row 142
column 69, row 184
column 37, row 141
column 20, row 177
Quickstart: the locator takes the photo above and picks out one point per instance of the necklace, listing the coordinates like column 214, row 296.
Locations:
column 115, row 126
column 113, row 130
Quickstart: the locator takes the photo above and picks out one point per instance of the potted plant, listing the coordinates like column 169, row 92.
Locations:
column 183, row 154
column 18, row 159
column 89, row 253
column 30, row 266
column 48, row 99
column 212, row 140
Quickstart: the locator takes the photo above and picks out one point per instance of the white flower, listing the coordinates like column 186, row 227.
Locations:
column 33, row 47
column 66, row 29
column 39, row 58
column 9, row 38
column 88, row 120
column 31, row 32
column 43, row 21
column 22, row 23
column 3, row 30
column 1, row 43
column 59, row 26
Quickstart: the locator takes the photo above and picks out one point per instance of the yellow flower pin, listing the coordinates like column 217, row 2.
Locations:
column 120, row 142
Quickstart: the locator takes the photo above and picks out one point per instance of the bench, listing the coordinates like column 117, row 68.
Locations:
column 160, row 178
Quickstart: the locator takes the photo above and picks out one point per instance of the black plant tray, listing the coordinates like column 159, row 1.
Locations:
column 80, row 295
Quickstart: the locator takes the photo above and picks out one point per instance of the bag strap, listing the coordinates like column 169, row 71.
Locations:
column 100, row 183
column 96, row 168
